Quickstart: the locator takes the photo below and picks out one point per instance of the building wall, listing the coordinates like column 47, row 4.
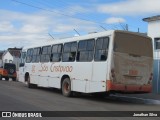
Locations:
column 7, row 58
column 154, row 32
column 0, row 63
column 154, row 29
column 16, row 61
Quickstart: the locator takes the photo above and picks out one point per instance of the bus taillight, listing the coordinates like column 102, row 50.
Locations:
column 113, row 73
column 150, row 78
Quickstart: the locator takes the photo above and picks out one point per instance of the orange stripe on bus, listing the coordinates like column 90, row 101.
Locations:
column 128, row 88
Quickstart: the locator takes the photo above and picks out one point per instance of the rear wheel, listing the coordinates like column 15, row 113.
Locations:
column 66, row 87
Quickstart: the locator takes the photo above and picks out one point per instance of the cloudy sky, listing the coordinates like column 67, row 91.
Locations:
column 28, row 22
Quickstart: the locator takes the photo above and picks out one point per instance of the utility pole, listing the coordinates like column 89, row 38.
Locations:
column 126, row 27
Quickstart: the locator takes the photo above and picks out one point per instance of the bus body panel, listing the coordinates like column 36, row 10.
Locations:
column 95, row 76
column 132, row 63
column 81, row 75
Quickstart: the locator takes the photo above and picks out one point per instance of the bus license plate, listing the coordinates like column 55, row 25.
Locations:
column 133, row 72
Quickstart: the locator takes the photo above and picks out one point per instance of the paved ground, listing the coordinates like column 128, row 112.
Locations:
column 15, row 96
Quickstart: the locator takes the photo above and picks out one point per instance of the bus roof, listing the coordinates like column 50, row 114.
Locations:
column 77, row 38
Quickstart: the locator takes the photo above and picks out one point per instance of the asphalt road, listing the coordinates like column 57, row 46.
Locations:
column 15, row 96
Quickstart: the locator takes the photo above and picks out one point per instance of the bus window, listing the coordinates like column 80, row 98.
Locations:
column 45, row 56
column 29, row 55
column 36, row 55
column 101, row 51
column 23, row 56
column 132, row 44
column 69, row 52
column 85, row 50
column 56, row 53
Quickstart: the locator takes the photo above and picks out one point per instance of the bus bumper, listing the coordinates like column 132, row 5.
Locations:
column 128, row 88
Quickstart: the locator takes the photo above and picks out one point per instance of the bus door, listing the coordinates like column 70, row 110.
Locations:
column 100, row 65
column 81, row 70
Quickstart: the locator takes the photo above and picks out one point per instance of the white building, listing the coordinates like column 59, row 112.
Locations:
column 154, row 33
column 1, row 54
column 12, row 55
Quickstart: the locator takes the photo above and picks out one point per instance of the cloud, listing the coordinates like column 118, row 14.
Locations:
column 19, row 29
column 131, row 7
column 6, row 26
column 113, row 20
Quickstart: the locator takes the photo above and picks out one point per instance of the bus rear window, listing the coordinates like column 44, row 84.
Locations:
column 132, row 44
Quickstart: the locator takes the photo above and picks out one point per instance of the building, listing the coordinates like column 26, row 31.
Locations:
column 12, row 55
column 154, row 33
column 1, row 54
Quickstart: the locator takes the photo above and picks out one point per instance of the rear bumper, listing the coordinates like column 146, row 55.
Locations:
column 3, row 75
column 11, row 76
column 128, row 88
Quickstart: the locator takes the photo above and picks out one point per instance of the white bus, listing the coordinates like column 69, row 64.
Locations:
column 105, row 62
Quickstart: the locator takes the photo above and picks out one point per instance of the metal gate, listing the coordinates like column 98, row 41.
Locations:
column 156, row 77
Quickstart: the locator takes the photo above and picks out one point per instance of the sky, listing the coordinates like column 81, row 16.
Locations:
column 30, row 22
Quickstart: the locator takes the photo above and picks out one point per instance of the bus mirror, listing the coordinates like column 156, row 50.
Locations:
column 21, row 65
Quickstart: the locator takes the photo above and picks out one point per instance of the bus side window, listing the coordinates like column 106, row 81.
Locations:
column 85, row 50
column 101, row 51
column 69, row 52
column 29, row 55
column 36, row 55
column 45, row 54
column 56, row 53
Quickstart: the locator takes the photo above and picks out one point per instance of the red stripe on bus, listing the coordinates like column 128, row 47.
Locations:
column 127, row 88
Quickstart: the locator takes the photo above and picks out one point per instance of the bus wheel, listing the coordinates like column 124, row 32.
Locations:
column 29, row 85
column 66, row 87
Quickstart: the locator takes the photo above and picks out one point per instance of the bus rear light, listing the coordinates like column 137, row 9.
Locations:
column 113, row 73
column 151, row 77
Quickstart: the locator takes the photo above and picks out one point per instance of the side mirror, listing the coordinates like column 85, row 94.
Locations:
column 21, row 65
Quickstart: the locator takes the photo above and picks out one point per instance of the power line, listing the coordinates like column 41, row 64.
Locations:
column 54, row 11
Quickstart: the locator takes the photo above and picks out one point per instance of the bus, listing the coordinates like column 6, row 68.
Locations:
column 105, row 62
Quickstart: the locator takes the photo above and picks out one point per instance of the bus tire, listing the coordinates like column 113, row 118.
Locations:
column 29, row 85
column 66, row 87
